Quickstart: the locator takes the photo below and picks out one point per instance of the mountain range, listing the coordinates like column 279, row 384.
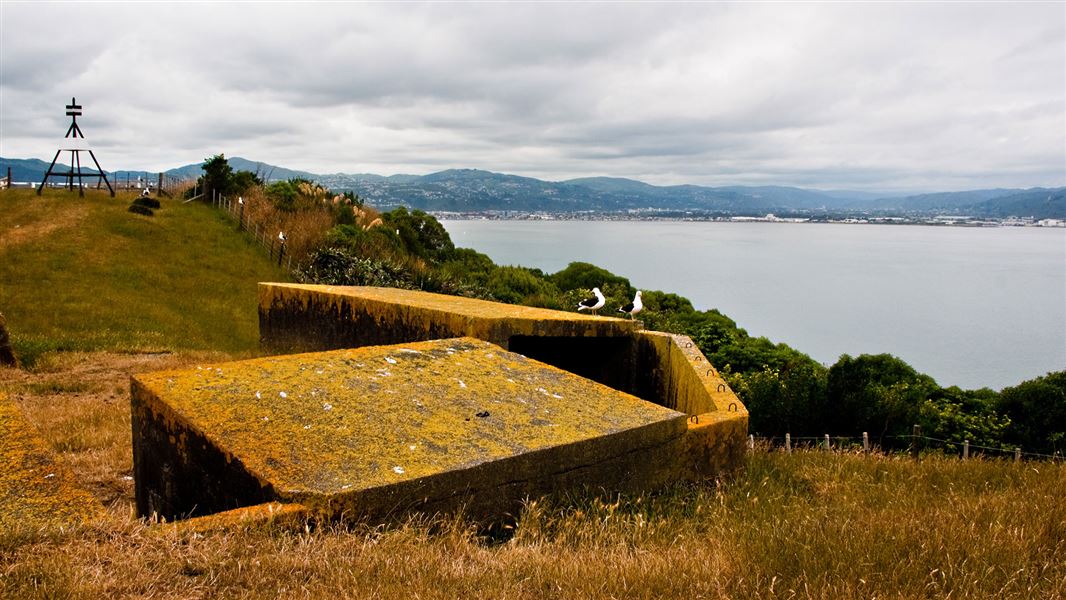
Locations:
column 473, row 190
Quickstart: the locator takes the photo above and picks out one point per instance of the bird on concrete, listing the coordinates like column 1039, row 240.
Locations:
column 592, row 304
column 633, row 307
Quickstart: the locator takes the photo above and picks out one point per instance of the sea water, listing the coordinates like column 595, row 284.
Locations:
column 970, row 306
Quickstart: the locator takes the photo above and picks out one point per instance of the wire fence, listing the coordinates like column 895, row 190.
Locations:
column 915, row 442
column 273, row 243
column 165, row 184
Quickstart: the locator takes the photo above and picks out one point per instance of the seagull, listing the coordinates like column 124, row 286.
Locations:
column 633, row 307
column 593, row 304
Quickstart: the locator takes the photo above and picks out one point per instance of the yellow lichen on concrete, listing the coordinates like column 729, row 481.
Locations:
column 36, row 491
column 273, row 514
column 718, row 420
column 340, row 422
column 408, row 315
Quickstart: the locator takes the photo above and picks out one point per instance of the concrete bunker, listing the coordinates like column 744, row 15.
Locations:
column 630, row 410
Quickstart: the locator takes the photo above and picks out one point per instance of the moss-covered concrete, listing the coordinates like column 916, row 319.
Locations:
column 663, row 368
column 36, row 490
column 268, row 514
column 377, row 430
column 294, row 318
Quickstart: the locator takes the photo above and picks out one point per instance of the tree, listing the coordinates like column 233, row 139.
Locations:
column 217, row 174
column 422, row 235
column 958, row 415
column 242, row 181
column 1037, row 413
column 788, row 400
column 877, row 393
column 584, row 276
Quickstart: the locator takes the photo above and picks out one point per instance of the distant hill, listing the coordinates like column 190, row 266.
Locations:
column 265, row 171
column 1038, row 203
column 474, row 190
column 33, row 169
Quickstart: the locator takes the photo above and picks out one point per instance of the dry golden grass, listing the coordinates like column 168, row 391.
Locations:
column 304, row 229
column 806, row 525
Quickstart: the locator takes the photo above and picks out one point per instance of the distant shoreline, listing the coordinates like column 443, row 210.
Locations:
column 939, row 221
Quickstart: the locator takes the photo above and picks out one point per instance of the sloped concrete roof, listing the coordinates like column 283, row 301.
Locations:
column 422, row 420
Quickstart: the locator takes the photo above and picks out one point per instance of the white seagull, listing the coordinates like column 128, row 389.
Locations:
column 633, row 307
column 593, row 304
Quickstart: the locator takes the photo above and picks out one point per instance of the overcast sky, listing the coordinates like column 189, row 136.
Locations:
column 862, row 96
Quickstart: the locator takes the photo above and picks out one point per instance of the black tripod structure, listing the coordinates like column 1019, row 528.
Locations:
column 74, row 132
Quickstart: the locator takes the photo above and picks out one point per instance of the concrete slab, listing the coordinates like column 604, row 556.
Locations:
column 376, row 430
column 36, row 490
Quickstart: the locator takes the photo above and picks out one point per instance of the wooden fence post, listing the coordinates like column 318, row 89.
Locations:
column 788, row 443
column 965, row 449
column 827, row 446
column 751, row 442
column 916, row 432
column 1017, row 455
column 866, row 442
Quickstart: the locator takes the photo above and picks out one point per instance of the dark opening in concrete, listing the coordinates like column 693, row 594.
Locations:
column 606, row 360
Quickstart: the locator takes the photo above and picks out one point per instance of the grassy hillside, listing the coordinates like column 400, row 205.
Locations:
column 85, row 274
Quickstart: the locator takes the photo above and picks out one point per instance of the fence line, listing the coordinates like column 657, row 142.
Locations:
column 273, row 244
column 916, row 441
column 167, row 185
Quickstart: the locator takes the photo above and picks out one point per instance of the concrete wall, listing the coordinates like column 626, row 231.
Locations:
column 189, row 457
column 658, row 367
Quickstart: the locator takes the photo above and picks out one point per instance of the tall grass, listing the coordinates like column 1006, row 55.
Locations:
column 305, row 229
column 809, row 525
column 85, row 274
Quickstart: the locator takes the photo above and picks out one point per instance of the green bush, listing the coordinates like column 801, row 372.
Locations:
column 519, row 285
column 1037, row 413
column 147, row 202
column 338, row 266
column 585, row 276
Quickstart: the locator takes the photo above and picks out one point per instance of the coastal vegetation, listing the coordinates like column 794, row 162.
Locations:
column 785, row 390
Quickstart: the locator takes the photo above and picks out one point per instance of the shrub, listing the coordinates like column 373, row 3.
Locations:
column 147, row 202
column 585, row 276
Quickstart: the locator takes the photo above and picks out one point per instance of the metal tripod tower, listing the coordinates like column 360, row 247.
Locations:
column 74, row 147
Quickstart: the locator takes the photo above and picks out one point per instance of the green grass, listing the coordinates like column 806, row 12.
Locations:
column 84, row 274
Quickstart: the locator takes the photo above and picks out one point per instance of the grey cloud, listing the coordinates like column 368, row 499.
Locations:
column 919, row 95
